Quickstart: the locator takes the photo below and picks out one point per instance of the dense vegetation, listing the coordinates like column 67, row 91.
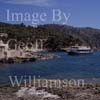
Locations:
column 58, row 36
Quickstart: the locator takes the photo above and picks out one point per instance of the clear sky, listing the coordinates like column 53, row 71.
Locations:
column 84, row 13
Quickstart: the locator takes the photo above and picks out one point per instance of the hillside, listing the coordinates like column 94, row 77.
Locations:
column 58, row 36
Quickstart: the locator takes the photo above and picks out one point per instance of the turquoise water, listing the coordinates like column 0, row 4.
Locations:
column 87, row 66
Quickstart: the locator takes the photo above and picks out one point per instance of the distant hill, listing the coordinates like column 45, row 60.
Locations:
column 58, row 36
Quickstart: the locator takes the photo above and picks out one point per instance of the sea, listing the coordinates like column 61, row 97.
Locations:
column 64, row 67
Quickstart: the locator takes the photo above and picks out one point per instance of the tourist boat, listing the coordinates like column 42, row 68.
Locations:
column 76, row 50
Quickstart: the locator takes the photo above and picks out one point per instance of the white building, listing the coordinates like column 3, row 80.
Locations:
column 3, row 50
column 6, row 53
column 3, row 35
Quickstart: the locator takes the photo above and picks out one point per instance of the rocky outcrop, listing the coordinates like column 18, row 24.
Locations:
column 85, row 93
column 41, row 56
column 30, row 58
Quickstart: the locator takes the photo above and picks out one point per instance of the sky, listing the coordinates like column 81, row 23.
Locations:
column 78, row 13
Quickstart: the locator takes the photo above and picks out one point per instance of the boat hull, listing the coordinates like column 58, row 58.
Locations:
column 79, row 53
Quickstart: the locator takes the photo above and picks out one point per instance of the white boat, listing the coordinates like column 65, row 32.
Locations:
column 75, row 50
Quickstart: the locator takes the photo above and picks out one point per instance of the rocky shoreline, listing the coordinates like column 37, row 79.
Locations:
column 40, row 56
column 88, row 92
column 29, row 58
